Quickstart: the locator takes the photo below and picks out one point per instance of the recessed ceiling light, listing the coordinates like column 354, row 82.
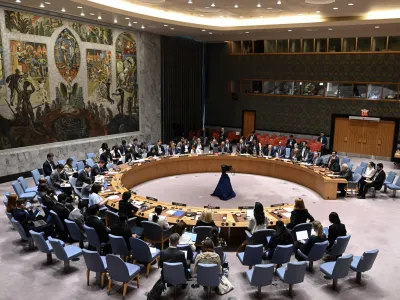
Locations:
column 289, row 29
column 82, row 14
column 210, row 33
column 221, row 16
column 142, row 27
column 172, row 28
column 47, row 3
column 92, row 14
column 207, row 7
column 127, row 18
column 269, row 8
column 99, row 17
column 318, row 11
column 241, row 17
column 236, row 6
column 165, row 25
column 41, row 5
column 135, row 22
column 201, row 15
column 63, row 9
column 330, row 29
column 377, row 27
column 79, row 7
column 18, row 1
column 115, row 20
column 203, row 30
column 129, row 24
column 350, row 4
column 213, row 4
column 279, row 2
column 335, row 8
column 258, row 5
column 247, row 32
column 190, row 2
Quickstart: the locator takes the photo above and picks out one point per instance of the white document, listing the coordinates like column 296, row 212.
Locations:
column 112, row 173
column 302, row 235
column 288, row 209
column 171, row 212
column 107, row 190
column 250, row 213
column 287, row 215
column 113, row 197
column 153, row 250
column 184, row 251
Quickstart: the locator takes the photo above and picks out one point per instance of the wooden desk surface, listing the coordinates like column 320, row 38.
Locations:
column 128, row 177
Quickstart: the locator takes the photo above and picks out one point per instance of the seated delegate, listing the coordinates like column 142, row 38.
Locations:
column 206, row 219
column 368, row 173
column 92, row 220
column 208, row 255
column 317, row 238
column 94, row 198
column 299, row 215
column 281, row 237
column 333, row 162
column 335, row 230
column 376, row 181
column 156, row 217
column 184, row 239
column 346, row 174
column 123, row 229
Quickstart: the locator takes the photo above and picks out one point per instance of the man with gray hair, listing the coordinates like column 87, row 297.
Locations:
column 346, row 174
column 173, row 255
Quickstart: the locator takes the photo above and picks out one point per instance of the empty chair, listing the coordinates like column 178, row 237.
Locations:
column 345, row 160
column 317, row 252
column 260, row 276
column 80, row 165
column 72, row 181
column 74, row 163
column 287, row 152
column 363, row 263
column 22, row 233
column 121, row 271
column 93, row 238
column 282, row 254
column 202, row 233
column 350, row 166
column 142, row 254
column 36, row 176
column 95, row 263
column 294, row 274
column 75, row 232
column 259, row 237
column 154, row 233
column 353, row 185
column 64, row 253
column 55, row 219
column 389, row 179
column 90, row 155
column 90, row 162
column 363, row 164
column 61, row 162
column 221, row 253
column 43, row 245
column 20, row 193
column 337, row 269
column 10, row 216
column 174, row 274
column 394, row 187
column 301, row 227
column 112, row 218
column 251, row 256
column 358, row 170
column 25, row 187
column 208, row 276
column 119, row 246
column 339, row 246
column 5, row 200
column 149, row 147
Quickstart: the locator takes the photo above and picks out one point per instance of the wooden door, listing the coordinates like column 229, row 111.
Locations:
column 341, row 134
column 355, row 138
column 384, row 138
column 369, row 137
column 248, row 122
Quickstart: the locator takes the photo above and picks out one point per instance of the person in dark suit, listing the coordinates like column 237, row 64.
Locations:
column 99, row 168
column 228, row 145
column 333, row 162
column 49, row 165
column 173, row 255
column 123, row 148
column 222, row 148
column 324, row 143
column 346, row 174
column 255, row 148
column 319, row 237
column 290, row 142
column 123, row 229
column 299, row 215
column 125, row 207
column 55, row 178
column 135, row 149
column 83, row 175
column 376, row 181
column 172, row 150
column 281, row 237
column 185, row 147
column 316, row 160
column 305, row 152
column 160, row 151
column 62, row 212
column 206, row 219
column 335, row 230
column 269, row 151
column 92, row 220
column 152, row 152
column 241, row 147
column 280, row 150
column 106, row 156
column 252, row 137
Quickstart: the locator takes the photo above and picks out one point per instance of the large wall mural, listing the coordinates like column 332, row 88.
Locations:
column 45, row 98
column 30, row 24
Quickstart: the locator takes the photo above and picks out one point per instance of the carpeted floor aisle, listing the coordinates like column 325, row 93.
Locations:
column 371, row 222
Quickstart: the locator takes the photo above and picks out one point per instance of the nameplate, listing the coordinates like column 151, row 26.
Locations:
column 246, row 207
column 212, row 207
column 134, row 193
column 151, row 198
column 178, row 204
column 278, row 204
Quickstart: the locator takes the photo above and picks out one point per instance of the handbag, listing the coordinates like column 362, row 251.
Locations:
column 225, row 286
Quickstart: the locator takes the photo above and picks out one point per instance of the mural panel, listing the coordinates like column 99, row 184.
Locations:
column 93, row 34
column 67, row 55
column 99, row 75
column 30, row 24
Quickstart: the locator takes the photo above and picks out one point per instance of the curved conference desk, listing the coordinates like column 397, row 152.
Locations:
column 128, row 177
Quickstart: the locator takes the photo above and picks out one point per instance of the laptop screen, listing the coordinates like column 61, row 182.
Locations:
column 105, row 184
column 302, row 235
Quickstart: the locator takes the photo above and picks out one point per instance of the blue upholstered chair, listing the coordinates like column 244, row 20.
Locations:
column 80, row 165
column 5, row 200
column 350, row 166
column 18, row 227
column 119, row 246
column 155, row 234
column 317, row 252
column 90, row 155
column 221, row 253
column 10, row 216
column 64, row 253
column 208, row 276
column 75, row 233
column 142, row 254
column 72, row 181
column 149, row 147
column 61, row 162
column 43, row 245
column 282, row 254
column 363, row 263
column 202, row 233
column 93, row 238
column 287, row 152
column 55, row 219
column 251, row 256
column 260, row 276
column 112, row 218
column 394, row 187
column 95, row 263
column 337, row 269
column 359, row 170
column 294, row 274
column 339, row 246
column 259, row 237
column 121, row 271
column 364, row 164
column 345, row 160
column 353, row 185
column 110, row 166
column 25, row 187
column 301, row 227
column 36, row 176
column 190, row 255
column 90, row 162
column 389, row 180
column 20, row 193
column 174, row 274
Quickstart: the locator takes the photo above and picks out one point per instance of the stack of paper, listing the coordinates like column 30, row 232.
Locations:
column 171, row 212
column 113, row 197
column 287, row 215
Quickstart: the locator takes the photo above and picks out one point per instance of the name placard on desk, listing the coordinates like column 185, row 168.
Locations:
column 179, row 204
column 212, row 207
column 245, row 207
column 151, row 198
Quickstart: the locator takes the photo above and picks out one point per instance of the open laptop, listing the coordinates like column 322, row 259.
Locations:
column 302, row 236
column 192, row 235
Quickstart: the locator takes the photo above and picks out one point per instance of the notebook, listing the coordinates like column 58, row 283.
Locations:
column 178, row 214
column 39, row 223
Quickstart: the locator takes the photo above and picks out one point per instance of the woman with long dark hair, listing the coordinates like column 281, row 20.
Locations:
column 281, row 237
column 156, row 217
column 335, row 230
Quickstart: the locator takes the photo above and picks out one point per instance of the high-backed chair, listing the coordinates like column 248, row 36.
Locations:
column 251, row 256
column 93, row 238
column 345, row 160
column 36, row 176
column 5, row 200
column 55, row 219
column 287, row 152
column 294, row 274
column 95, row 263
column 339, row 246
column 301, row 227
column 75, row 233
column 43, row 245
column 202, row 233
column 119, row 246
column 317, row 252
column 337, row 269
column 153, row 232
column 112, row 218
column 10, row 216
column 353, row 185
column 350, row 166
column 110, row 166
column 72, row 181
column 208, row 276
column 364, row 164
column 90, row 155
column 64, row 253
column 90, row 162
column 21, row 194
column 80, row 165
column 358, row 170
column 394, row 187
column 121, row 271
column 142, row 254
column 259, row 237
column 221, row 253
column 389, row 180
column 260, row 276
column 174, row 274
column 363, row 263
column 22, row 233
column 149, row 147
column 282, row 254
column 25, row 186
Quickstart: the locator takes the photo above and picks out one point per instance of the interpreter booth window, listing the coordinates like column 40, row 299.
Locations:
column 374, row 92
column 257, row 87
column 308, row 45
column 282, row 46
column 247, row 46
column 394, row 43
column 321, row 45
column 349, row 44
column 268, row 87
column 270, row 46
column 379, row 43
column 314, row 88
column 237, row 47
column 259, row 46
column 364, row 44
column 332, row 89
column 286, row 88
column 335, row 45
column 247, row 86
column 350, row 90
column 390, row 92
column 294, row 46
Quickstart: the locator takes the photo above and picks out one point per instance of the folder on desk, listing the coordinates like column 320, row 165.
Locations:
column 178, row 213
